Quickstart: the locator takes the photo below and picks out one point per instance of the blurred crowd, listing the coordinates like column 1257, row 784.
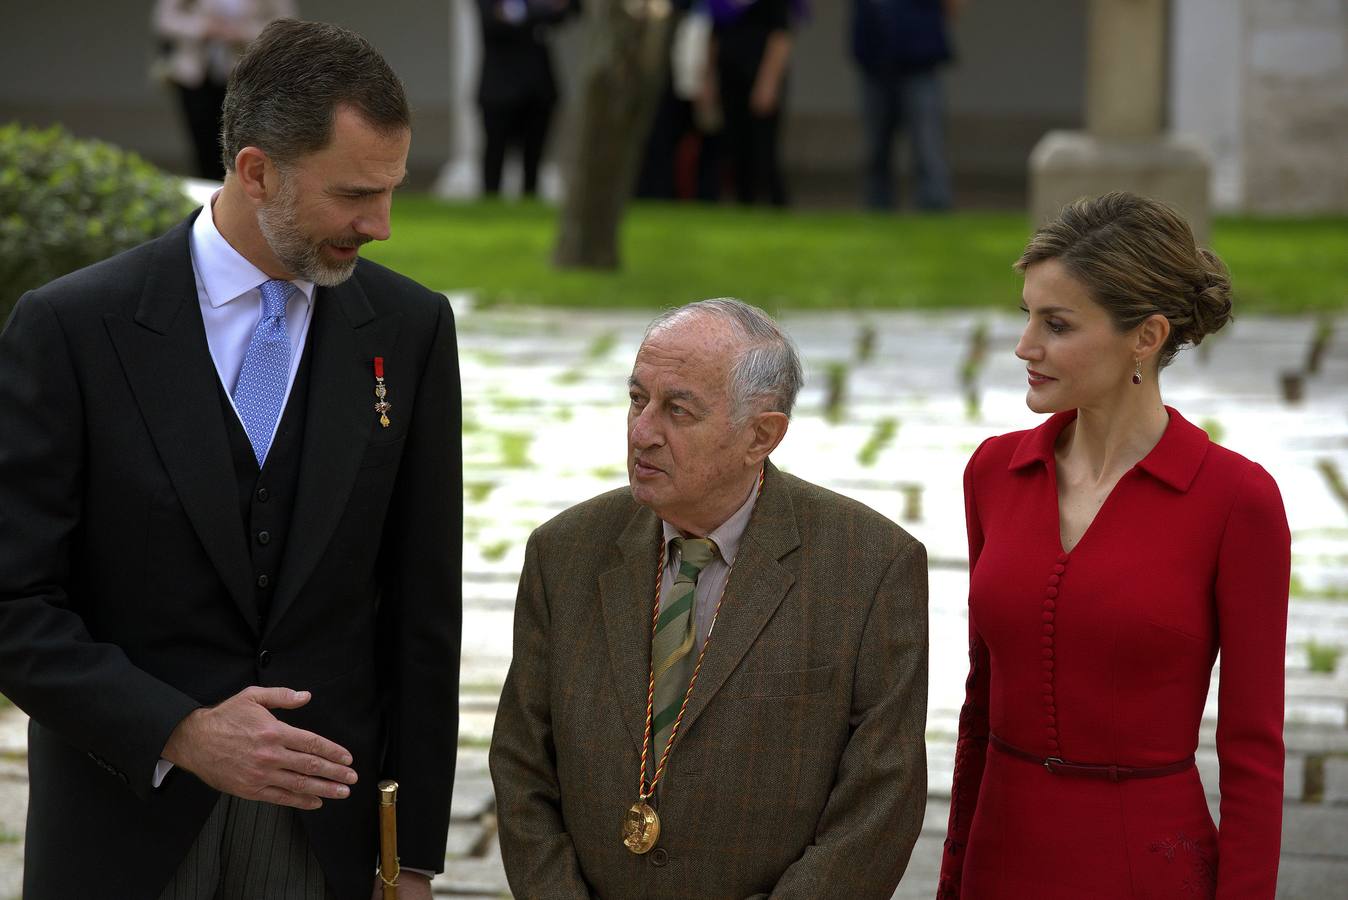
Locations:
column 717, row 132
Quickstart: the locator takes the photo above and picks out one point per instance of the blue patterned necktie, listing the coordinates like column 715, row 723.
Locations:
column 261, row 389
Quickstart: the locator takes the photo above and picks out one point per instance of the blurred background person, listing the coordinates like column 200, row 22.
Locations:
column 899, row 47
column 517, row 92
column 751, row 45
column 199, row 43
column 674, row 143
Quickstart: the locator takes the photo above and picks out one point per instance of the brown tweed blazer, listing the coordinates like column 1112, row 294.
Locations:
column 799, row 770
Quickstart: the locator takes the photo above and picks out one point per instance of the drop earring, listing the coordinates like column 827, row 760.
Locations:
column 1137, row 371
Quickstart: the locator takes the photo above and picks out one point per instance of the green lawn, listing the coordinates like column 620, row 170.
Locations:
column 673, row 254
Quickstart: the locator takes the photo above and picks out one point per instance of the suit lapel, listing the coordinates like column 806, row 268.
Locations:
column 758, row 584
column 168, row 366
column 344, row 337
column 627, row 593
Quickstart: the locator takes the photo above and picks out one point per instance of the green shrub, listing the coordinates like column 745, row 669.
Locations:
column 66, row 203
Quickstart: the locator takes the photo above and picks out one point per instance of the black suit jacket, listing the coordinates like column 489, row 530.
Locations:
column 516, row 61
column 126, row 594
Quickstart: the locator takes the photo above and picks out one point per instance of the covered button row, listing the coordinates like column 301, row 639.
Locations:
column 1047, row 616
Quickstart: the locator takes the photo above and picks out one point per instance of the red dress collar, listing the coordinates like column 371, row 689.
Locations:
column 1174, row 460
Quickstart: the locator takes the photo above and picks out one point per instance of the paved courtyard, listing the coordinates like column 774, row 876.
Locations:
column 894, row 405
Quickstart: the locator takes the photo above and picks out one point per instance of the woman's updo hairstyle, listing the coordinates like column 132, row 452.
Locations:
column 1137, row 257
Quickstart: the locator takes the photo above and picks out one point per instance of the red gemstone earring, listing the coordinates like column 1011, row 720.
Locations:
column 1137, row 371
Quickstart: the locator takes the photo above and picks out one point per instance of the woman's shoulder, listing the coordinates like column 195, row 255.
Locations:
column 1017, row 448
column 1244, row 481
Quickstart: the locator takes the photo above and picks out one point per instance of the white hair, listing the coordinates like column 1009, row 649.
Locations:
column 766, row 373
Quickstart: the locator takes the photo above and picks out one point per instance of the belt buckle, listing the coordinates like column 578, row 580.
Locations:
column 1048, row 764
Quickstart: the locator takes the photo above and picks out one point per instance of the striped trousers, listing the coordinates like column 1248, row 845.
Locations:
column 249, row 851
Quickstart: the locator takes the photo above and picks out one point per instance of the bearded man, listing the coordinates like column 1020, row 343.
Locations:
column 719, row 684
column 230, row 520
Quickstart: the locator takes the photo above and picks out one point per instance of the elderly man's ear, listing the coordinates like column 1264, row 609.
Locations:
column 768, row 429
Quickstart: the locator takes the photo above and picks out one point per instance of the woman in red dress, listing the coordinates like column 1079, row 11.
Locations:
column 1113, row 551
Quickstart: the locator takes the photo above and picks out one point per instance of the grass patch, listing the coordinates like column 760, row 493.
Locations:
column 515, row 449
column 813, row 260
column 495, row 552
column 1322, row 657
column 602, row 346
column 472, row 742
column 478, row 491
column 1214, row 429
column 10, row 837
column 5, row 702
column 881, row 437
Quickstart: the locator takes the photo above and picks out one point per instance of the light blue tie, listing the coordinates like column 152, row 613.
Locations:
column 261, row 390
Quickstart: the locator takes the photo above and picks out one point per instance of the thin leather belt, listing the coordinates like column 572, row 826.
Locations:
column 1056, row 766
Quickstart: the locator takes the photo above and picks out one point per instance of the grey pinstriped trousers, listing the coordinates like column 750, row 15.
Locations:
column 249, row 851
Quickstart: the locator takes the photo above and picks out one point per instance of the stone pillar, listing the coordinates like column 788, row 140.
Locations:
column 1124, row 146
column 461, row 176
column 1125, row 77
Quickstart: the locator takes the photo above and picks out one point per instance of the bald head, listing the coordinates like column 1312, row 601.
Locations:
column 710, row 393
column 762, row 366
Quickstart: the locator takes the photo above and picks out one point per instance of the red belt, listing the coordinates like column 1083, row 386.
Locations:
column 1055, row 766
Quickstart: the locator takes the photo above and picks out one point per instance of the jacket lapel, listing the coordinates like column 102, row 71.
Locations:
column 627, row 593
column 344, row 337
column 757, row 586
column 168, row 366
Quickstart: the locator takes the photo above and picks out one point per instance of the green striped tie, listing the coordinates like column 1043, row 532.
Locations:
column 672, row 646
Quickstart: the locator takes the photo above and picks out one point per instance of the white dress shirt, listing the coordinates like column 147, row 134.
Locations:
column 228, row 288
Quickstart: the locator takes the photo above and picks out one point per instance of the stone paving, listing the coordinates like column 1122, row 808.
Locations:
column 894, row 405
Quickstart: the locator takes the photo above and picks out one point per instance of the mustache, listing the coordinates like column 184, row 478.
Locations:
column 356, row 241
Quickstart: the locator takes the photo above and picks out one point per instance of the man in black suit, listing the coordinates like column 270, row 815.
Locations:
column 229, row 582
column 516, row 90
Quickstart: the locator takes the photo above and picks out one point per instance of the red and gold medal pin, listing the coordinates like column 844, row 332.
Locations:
column 382, row 406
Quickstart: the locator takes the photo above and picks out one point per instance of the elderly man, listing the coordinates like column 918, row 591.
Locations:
column 229, row 520
column 719, row 676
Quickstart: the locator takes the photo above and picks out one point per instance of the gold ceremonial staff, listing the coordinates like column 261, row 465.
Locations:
column 388, row 838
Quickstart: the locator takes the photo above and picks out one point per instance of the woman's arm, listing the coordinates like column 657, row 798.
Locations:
column 1253, row 568
column 972, row 745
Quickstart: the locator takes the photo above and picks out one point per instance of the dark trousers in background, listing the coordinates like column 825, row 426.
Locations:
column 201, row 110
column 749, row 142
column 914, row 104
column 523, row 125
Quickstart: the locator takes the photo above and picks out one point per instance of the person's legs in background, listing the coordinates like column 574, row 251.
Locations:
column 202, row 108
column 534, row 118
column 880, row 117
column 496, row 133
column 766, row 168
column 924, row 112
column 737, row 139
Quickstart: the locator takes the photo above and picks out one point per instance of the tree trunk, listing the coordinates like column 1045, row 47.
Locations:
column 627, row 52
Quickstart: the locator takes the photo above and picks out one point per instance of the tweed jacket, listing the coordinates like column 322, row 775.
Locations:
column 799, row 769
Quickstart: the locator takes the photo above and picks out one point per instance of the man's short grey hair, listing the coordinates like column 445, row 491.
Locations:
column 765, row 375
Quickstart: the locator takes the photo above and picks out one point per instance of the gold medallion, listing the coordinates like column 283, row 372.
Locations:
column 641, row 827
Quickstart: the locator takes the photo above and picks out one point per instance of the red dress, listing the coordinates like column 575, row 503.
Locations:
column 1103, row 655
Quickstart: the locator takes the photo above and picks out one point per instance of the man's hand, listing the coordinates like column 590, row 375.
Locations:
column 240, row 748
column 411, row 886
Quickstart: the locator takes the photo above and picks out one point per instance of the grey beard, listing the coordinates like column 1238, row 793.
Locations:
column 301, row 257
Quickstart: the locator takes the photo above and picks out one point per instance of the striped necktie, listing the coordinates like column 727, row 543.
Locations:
column 265, row 375
column 672, row 646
